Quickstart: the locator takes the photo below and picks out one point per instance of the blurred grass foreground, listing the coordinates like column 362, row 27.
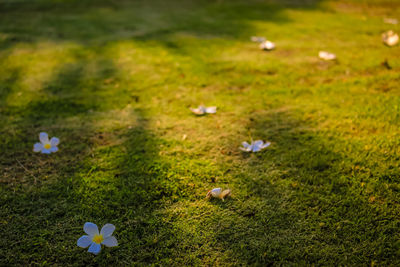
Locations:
column 114, row 80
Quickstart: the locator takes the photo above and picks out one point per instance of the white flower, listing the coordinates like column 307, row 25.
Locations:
column 94, row 239
column 218, row 193
column 257, row 39
column 267, row 45
column 201, row 110
column 326, row 55
column 390, row 38
column 46, row 146
column 254, row 146
column 390, row 21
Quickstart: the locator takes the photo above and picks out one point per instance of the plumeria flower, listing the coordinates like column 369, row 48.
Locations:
column 390, row 21
column 254, row 146
column 218, row 193
column 267, row 45
column 390, row 38
column 201, row 110
column 46, row 146
column 257, row 39
column 326, row 55
column 94, row 239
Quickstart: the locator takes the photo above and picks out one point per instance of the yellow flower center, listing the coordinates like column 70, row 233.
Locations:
column 98, row 239
column 47, row 146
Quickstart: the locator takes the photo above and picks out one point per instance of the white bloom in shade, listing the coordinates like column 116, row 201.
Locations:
column 218, row 193
column 201, row 110
column 390, row 38
column 267, row 45
column 255, row 146
column 326, row 55
column 46, row 146
column 94, row 239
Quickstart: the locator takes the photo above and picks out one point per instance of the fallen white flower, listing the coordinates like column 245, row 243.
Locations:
column 218, row 193
column 326, row 55
column 255, row 146
column 94, row 239
column 257, row 39
column 390, row 38
column 267, row 45
column 46, row 146
column 201, row 110
column 390, row 21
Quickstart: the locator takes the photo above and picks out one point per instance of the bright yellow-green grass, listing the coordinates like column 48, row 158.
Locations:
column 114, row 80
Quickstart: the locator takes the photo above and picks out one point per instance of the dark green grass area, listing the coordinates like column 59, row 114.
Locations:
column 114, row 80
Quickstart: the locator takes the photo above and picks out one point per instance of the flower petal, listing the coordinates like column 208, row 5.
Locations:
column 54, row 141
column 94, row 248
column 44, row 138
column 54, row 149
column 91, row 229
column 38, row 147
column 267, row 144
column 258, row 143
column 197, row 111
column 84, row 241
column 110, row 241
column 246, row 145
column 107, row 230
column 46, row 151
column 216, row 192
column 211, row 110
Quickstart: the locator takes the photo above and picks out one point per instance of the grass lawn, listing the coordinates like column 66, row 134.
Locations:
column 114, row 80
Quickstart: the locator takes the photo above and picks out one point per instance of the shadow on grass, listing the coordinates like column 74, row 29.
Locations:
column 42, row 194
column 93, row 22
column 105, row 172
column 302, row 205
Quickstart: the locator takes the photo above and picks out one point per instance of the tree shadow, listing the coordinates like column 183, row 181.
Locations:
column 39, row 189
column 301, row 201
column 102, row 173
column 93, row 22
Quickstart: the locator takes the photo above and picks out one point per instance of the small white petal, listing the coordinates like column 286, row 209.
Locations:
column 110, row 242
column 107, row 230
column 267, row 144
column 91, row 229
column 211, row 110
column 46, row 151
column 256, row 148
column 258, row 143
column 94, row 248
column 246, row 145
column 84, row 241
column 257, row 39
column 216, row 192
column 267, row 45
column 38, row 147
column 54, row 141
column 197, row 111
column 326, row 55
column 44, row 138
column 390, row 38
column 54, row 149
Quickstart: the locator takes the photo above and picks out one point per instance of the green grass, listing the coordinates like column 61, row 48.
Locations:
column 114, row 80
